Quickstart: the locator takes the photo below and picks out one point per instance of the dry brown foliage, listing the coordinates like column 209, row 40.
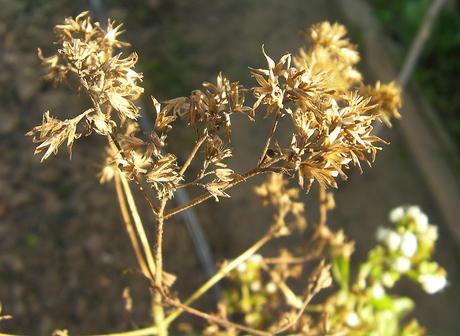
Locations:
column 319, row 92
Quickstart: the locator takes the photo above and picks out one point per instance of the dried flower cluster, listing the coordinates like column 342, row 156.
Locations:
column 387, row 98
column 87, row 51
column 332, row 122
column 331, row 113
column 330, row 53
column 286, row 200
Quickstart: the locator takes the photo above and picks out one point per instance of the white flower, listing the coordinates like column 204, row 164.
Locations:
column 352, row 319
column 432, row 283
column 396, row 214
column 378, row 291
column 256, row 259
column 431, row 234
column 393, row 241
column 255, row 286
column 389, row 237
column 408, row 244
column 414, row 211
column 402, row 264
column 270, row 288
column 382, row 234
column 241, row 267
column 388, row 280
column 421, row 221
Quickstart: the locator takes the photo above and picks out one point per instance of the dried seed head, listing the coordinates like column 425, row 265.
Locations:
column 86, row 51
column 386, row 98
column 331, row 122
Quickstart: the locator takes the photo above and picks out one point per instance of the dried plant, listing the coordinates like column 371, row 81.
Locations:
column 331, row 112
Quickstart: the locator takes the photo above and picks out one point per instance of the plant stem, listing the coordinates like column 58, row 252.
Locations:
column 269, row 138
column 291, row 298
column 322, row 207
column 316, row 283
column 139, row 226
column 138, row 332
column 192, row 154
column 291, row 260
column 129, row 226
column 211, row 318
column 200, row 199
column 203, row 289
column 221, row 274
column 158, row 312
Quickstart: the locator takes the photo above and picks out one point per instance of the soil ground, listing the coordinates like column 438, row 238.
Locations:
column 65, row 257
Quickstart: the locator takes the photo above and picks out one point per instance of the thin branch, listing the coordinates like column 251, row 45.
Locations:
column 192, row 154
column 320, row 279
column 214, row 319
column 204, row 288
column 290, row 260
column 223, row 272
column 159, row 245
column 291, row 298
column 138, row 224
column 158, row 312
column 206, row 196
column 293, row 322
column 129, row 227
column 322, row 207
column 139, row 332
column 269, row 138
column 191, row 184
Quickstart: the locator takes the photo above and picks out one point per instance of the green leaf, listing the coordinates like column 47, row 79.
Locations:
column 341, row 270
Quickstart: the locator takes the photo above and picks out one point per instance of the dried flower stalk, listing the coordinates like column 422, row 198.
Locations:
column 319, row 92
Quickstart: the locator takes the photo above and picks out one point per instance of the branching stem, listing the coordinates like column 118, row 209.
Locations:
column 269, row 138
column 193, row 153
column 139, row 226
column 290, row 260
column 200, row 199
column 214, row 319
column 129, row 226
column 222, row 273
column 204, row 288
column 291, row 298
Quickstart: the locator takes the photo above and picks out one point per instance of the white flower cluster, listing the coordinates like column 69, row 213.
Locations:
column 254, row 260
column 432, row 283
column 415, row 215
column 412, row 234
column 404, row 244
column 352, row 319
column 252, row 264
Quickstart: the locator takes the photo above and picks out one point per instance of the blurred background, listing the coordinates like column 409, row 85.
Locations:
column 65, row 257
